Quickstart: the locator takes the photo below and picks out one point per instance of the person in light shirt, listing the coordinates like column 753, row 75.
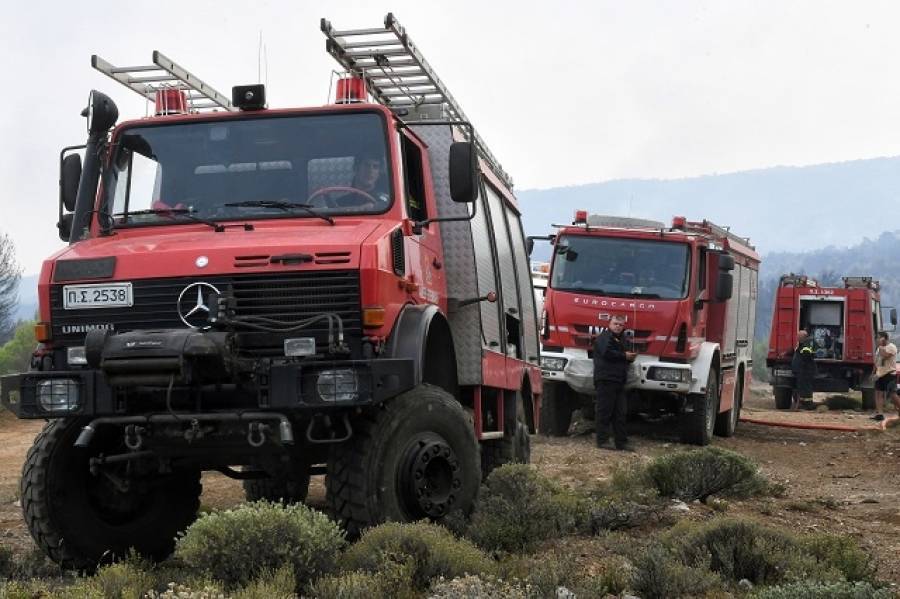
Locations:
column 885, row 375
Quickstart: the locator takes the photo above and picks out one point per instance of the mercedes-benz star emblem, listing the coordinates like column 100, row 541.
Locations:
column 192, row 308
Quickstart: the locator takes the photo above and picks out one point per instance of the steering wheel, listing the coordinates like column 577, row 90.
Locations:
column 366, row 197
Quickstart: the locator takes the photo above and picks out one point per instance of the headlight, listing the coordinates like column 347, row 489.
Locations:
column 338, row 385
column 58, row 395
column 669, row 375
column 553, row 363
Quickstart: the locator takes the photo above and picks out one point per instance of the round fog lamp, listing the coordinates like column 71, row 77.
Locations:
column 58, row 395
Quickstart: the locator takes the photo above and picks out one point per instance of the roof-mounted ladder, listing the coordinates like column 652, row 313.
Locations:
column 164, row 74
column 397, row 75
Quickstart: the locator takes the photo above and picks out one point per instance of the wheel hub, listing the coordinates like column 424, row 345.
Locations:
column 430, row 477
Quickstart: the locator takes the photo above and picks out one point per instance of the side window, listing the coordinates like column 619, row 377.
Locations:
column 701, row 270
column 414, row 181
column 137, row 184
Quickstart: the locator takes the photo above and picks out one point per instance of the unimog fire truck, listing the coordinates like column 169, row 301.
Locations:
column 272, row 294
column 843, row 323
column 688, row 294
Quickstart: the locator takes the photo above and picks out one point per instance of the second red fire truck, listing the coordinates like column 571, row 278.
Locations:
column 688, row 293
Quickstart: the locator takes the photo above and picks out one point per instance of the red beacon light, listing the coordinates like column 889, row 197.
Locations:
column 580, row 217
column 679, row 222
column 171, row 101
column 350, row 90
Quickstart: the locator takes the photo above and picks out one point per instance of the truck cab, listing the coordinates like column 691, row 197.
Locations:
column 687, row 292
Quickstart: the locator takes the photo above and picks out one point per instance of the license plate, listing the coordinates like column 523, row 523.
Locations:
column 108, row 295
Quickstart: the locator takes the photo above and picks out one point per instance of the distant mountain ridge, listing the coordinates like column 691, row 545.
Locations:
column 781, row 209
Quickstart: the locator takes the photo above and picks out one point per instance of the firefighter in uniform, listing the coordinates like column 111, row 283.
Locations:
column 611, row 362
column 803, row 366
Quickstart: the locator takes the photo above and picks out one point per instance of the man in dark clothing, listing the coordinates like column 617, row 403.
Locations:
column 803, row 365
column 611, row 363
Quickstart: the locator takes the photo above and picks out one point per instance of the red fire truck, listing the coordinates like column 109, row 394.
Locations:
column 271, row 294
column 688, row 293
column 843, row 323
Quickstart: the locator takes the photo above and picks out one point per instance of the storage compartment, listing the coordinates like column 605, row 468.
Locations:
column 824, row 320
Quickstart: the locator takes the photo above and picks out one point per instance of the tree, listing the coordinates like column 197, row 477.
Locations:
column 10, row 273
column 15, row 355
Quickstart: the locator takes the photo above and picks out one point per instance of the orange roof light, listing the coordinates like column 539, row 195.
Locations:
column 580, row 217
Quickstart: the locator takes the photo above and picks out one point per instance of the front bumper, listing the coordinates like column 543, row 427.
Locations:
column 312, row 386
column 646, row 373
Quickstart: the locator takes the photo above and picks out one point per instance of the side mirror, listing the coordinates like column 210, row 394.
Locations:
column 69, row 176
column 724, row 286
column 463, row 172
column 726, row 262
column 65, row 226
column 529, row 245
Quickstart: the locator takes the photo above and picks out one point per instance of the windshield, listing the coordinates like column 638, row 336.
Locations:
column 621, row 267
column 301, row 166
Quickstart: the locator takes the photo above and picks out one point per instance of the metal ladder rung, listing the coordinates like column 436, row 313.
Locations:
column 385, row 52
column 135, row 69
column 412, row 92
column 371, row 44
column 351, row 32
column 155, row 79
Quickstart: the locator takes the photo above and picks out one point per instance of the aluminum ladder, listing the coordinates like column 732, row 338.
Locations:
column 398, row 76
column 164, row 74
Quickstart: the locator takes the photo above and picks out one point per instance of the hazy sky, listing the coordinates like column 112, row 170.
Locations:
column 564, row 92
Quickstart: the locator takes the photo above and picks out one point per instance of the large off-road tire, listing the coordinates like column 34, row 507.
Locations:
column 726, row 422
column 81, row 520
column 783, row 397
column 413, row 457
column 289, row 486
column 513, row 448
column 556, row 410
column 697, row 426
column 868, row 398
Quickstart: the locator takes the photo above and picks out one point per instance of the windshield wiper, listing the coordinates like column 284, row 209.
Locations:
column 286, row 206
column 186, row 212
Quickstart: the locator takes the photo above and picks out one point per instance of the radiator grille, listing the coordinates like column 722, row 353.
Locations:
column 284, row 297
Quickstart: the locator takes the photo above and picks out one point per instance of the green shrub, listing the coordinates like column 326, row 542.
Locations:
column 842, row 554
column 35, row 589
column 617, row 514
column 34, row 564
column 738, row 549
column 543, row 574
column 122, row 580
column 823, row 590
column 6, row 562
column 237, row 545
column 477, row 587
column 843, row 402
column 427, row 549
column 519, row 508
column 270, row 585
column 659, row 574
column 700, row 473
column 393, row 580
column 181, row 591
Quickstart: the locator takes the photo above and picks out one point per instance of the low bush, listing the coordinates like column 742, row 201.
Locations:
column 35, row 589
column 184, row 591
column 393, row 580
column 479, row 587
column 545, row 574
column 842, row 554
column 34, row 564
column 659, row 574
column 237, row 545
column 701, row 473
column 6, row 562
column 618, row 514
column 122, row 580
column 823, row 590
column 843, row 402
column 427, row 550
column 518, row 508
column 738, row 549
column 270, row 585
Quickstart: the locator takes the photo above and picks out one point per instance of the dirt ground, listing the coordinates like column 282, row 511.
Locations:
column 839, row 482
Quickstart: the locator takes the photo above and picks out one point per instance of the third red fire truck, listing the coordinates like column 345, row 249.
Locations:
column 688, row 292
column 843, row 323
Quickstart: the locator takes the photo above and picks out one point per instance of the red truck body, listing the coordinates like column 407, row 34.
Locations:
column 664, row 281
column 843, row 323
